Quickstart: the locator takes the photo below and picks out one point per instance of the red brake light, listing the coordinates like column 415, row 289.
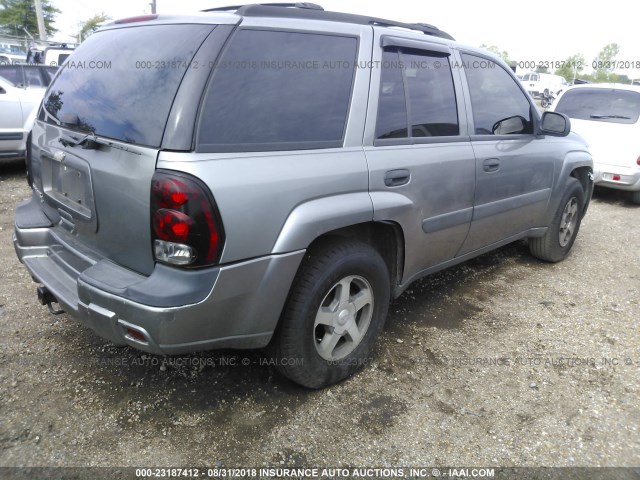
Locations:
column 139, row 18
column 172, row 225
column 185, row 224
column 638, row 161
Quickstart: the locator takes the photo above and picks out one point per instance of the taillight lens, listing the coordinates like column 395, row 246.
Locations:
column 638, row 161
column 185, row 223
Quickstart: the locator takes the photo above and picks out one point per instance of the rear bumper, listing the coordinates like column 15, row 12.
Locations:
column 170, row 312
column 629, row 177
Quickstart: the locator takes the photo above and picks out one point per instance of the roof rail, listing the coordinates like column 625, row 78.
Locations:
column 307, row 5
column 312, row 11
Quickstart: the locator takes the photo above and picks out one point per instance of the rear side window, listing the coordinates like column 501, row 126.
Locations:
column 431, row 110
column 279, row 91
column 121, row 83
column 495, row 95
column 601, row 105
column 33, row 77
column 49, row 73
column 13, row 74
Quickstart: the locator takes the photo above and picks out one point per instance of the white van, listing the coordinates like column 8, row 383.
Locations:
column 539, row 83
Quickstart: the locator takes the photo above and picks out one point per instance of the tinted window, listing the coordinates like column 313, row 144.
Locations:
column 49, row 73
column 600, row 104
column 33, row 77
column 121, row 83
column 12, row 74
column 495, row 95
column 392, row 106
column 279, row 90
column 432, row 100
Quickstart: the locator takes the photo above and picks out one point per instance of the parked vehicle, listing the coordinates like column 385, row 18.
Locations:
column 31, row 76
column 606, row 115
column 18, row 107
column 547, row 99
column 271, row 176
column 11, row 53
column 538, row 84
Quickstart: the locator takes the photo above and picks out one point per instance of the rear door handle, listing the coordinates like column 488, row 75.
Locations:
column 491, row 165
column 395, row 178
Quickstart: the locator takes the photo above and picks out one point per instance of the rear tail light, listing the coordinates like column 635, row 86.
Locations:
column 185, row 223
column 638, row 161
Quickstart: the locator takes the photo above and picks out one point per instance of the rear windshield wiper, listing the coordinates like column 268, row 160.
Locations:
column 71, row 141
column 622, row 117
column 90, row 142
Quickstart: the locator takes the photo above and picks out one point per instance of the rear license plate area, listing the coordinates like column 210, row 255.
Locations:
column 67, row 185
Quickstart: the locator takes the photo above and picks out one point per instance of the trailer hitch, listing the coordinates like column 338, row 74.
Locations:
column 45, row 297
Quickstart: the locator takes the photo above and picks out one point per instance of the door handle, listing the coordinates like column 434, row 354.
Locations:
column 395, row 178
column 491, row 165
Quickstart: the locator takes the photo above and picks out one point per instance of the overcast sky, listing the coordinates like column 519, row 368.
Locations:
column 541, row 30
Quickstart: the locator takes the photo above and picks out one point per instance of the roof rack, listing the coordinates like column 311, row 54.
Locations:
column 307, row 5
column 312, row 11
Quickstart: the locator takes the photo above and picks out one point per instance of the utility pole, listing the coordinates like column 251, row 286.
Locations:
column 42, row 33
column 153, row 6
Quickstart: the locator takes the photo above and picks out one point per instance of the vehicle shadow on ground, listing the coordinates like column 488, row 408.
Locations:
column 12, row 168
column 613, row 197
column 211, row 381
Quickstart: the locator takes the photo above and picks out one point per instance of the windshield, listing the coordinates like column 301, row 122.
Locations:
column 601, row 104
column 121, row 83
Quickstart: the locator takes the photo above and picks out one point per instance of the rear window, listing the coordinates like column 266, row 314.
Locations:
column 601, row 104
column 279, row 91
column 121, row 83
column 12, row 74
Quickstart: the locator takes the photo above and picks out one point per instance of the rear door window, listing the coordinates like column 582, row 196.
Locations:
column 601, row 105
column 431, row 110
column 274, row 90
column 121, row 83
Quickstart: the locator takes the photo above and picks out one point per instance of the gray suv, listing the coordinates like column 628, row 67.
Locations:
column 271, row 175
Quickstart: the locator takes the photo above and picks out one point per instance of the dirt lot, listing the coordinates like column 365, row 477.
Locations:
column 502, row 361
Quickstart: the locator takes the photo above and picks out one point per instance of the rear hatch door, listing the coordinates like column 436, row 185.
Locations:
column 607, row 118
column 99, row 131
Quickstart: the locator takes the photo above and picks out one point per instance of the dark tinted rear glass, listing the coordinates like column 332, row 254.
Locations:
column 12, row 74
column 279, row 91
column 601, row 104
column 121, row 83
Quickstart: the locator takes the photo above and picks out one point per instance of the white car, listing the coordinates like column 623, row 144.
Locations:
column 538, row 84
column 607, row 117
column 18, row 108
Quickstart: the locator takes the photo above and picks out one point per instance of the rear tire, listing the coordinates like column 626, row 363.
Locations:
column 336, row 309
column 635, row 197
column 555, row 245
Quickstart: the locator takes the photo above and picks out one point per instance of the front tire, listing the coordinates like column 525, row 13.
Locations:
column 555, row 245
column 336, row 309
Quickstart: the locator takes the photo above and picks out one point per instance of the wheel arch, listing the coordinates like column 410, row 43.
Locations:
column 584, row 175
column 387, row 238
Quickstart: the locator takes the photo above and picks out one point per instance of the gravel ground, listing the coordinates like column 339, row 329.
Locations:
column 502, row 361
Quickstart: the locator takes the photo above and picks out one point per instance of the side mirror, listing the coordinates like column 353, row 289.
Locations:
column 509, row 126
column 2, row 91
column 555, row 124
